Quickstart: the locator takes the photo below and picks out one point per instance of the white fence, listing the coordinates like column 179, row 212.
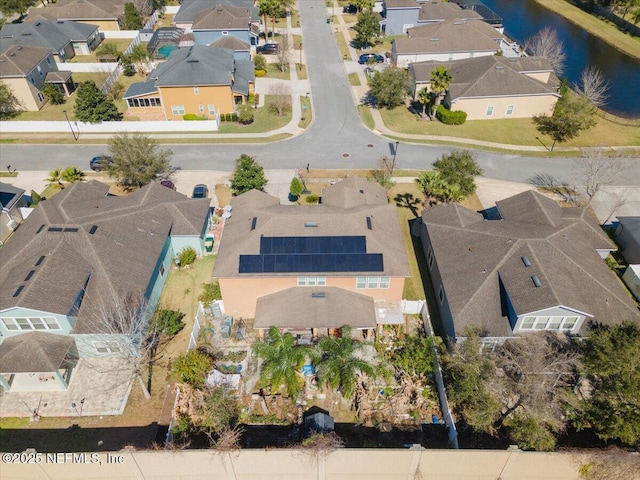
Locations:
column 198, row 320
column 171, row 10
column 202, row 126
column 152, row 20
column 412, row 307
column 120, row 34
column 88, row 67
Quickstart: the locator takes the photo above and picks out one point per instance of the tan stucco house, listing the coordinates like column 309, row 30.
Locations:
column 314, row 267
column 493, row 87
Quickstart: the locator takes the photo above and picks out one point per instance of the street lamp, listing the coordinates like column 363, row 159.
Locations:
column 75, row 137
column 395, row 152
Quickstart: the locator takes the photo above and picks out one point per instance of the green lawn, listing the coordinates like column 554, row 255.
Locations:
column 273, row 71
column 297, row 41
column 301, row 71
column 264, row 121
column 307, row 115
column 342, row 45
column 516, row 131
column 354, row 80
column 121, row 43
column 366, row 117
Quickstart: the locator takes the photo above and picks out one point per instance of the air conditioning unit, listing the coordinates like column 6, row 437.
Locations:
column 12, row 224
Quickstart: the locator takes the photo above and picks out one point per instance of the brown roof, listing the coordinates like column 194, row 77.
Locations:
column 230, row 42
column 79, row 10
column 19, row 60
column 58, row 77
column 82, row 235
column 430, row 11
column 489, row 76
column 315, row 307
column 34, row 352
column 222, row 17
column 330, row 219
column 473, row 255
column 401, row 4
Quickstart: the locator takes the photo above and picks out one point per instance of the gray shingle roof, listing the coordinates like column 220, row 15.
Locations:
column 232, row 43
column 275, row 220
column 315, row 307
column 45, row 33
column 17, row 60
column 401, row 4
column 222, row 17
column 79, row 10
column 45, row 352
column 473, row 254
column 489, row 76
column 431, row 11
column 119, row 256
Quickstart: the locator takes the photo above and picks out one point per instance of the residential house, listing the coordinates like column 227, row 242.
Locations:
column 106, row 14
column 446, row 41
column 538, row 267
column 193, row 11
column 493, row 87
column 628, row 237
column 311, row 269
column 401, row 15
column 70, row 258
column 199, row 80
column 66, row 39
column 223, row 21
column 13, row 202
column 26, row 70
column 241, row 50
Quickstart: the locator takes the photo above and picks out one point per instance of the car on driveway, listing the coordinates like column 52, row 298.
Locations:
column 350, row 9
column 200, row 191
column 268, row 49
column 99, row 163
column 370, row 57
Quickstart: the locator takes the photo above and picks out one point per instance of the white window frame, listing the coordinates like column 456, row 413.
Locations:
column 177, row 109
column 361, row 283
column 105, row 347
column 196, row 90
column 161, row 270
column 489, row 111
column 509, row 111
column 384, row 282
column 39, row 69
column 40, row 97
column 373, row 282
column 11, row 324
column 212, row 109
column 201, row 108
column 560, row 323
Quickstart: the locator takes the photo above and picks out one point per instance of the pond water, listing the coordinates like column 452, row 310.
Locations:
column 524, row 18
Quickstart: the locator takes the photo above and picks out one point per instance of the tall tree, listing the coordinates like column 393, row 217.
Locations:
column 596, row 171
column 611, row 358
column 92, row 105
column 339, row 366
column 440, row 81
column 53, row 94
column 593, row 86
column 9, row 104
column 13, row 7
column 424, row 99
column 72, row 175
column 546, row 44
column 249, row 174
column 283, row 361
column 389, row 87
column 367, row 28
column 137, row 160
column 131, row 19
column 459, row 168
column 269, row 8
column 434, row 186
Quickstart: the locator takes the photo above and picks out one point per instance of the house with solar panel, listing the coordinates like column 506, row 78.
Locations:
column 69, row 259
column 535, row 267
column 312, row 269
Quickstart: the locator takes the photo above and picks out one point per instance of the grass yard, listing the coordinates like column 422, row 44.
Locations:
column 516, row 131
column 342, row 45
column 223, row 194
column 282, row 21
column 307, row 114
column 273, row 71
column 297, row 41
column 165, row 20
column 354, row 80
column 366, row 117
column 121, row 43
column 264, row 121
column 301, row 71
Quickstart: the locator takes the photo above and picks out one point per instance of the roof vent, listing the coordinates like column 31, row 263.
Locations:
column 18, row 291
column 71, row 229
column 29, row 275
column 310, row 224
column 526, row 261
column 40, row 260
column 40, row 228
column 93, row 229
column 369, row 226
column 361, row 191
column 254, row 220
column 318, row 295
column 499, row 67
column 458, row 23
column 192, row 60
column 536, row 281
column 434, row 39
column 54, row 229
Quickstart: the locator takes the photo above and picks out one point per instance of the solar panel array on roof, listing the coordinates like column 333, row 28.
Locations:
column 309, row 245
column 306, row 263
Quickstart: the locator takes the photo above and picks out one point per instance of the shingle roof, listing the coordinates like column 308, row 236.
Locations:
column 45, row 33
column 401, row 4
column 232, row 43
column 560, row 243
column 275, row 220
column 315, row 307
column 115, row 242
column 222, row 17
column 450, row 36
column 430, row 11
column 17, row 60
column 79, row 10
column 34, row 352
column 189, row 9
column 489, row 76
column 352, row 192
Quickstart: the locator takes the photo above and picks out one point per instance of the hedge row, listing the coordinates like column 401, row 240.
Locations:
column 448, row 117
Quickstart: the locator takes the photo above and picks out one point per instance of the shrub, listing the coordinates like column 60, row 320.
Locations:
column 312, row 198
column 192, row 368
column 260, row 73
column 168, row 322
column 234, row 117
column 53, row 94
column 128, row 68
column 192, row 116
column 296, row 187
column 210, row 292
column 260, row 63
column 457, row 117
column 35, row 198
column 187, row 256
column 245, row 115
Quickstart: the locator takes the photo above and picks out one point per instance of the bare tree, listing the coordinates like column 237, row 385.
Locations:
column 593, row 86
column 279, row 98
column 619, row 199
column 284, row 54
column 595, row 170
column 546, row 44
column 383, row 174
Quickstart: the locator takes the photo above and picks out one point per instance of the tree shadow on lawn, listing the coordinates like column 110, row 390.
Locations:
column 407, row 200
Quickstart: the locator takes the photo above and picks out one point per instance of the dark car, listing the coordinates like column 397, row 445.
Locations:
column 370, row 57
column 200, row 191
column 168, row 184
column 268, row 49
column 99, row 163
column 350, row 9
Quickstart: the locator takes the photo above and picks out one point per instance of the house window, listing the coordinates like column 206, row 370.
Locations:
column 40, row 97
column 372, row 282
column 527, row 323
column 39, row 69
column 384, row 282
column 10, row 324
column 312, row 281
column 510, row 110
column 31, row 323
column 555, row 324
column 450, row 56
column 107, row 347
column 430, row 257
column 201, row 108
column 302, row 281
column 569, row 323
column 489, row 111
column 144, row 102
column 48, row 61
column 177, row 109
column 196, row 90
column 161, row 270
column 212, row 109
column 472, row 54
column 441, row 295
column 30, row 77
column 321, row 281
column 541, row 323
column 361, row 282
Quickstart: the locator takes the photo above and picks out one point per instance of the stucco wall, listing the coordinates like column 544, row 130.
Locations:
column 220, row 96
column 631, row 278
column 66, row 323
column 525, row 107
column 241, row 294
column 403, row 60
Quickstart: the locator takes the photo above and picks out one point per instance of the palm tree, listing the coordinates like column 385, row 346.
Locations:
column 424, row 97
column 339, row 368
column 55, row 178
column 283, row 360
column 72, row 175
column 434, row 186
column 440, row 81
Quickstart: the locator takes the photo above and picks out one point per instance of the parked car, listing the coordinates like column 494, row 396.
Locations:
column 350, row 9
column 99, row 163
column 268, row 49
column 168, row 184
column 200, row 191
column 366, row 57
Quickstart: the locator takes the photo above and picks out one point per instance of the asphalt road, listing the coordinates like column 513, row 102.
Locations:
column 336, row 139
